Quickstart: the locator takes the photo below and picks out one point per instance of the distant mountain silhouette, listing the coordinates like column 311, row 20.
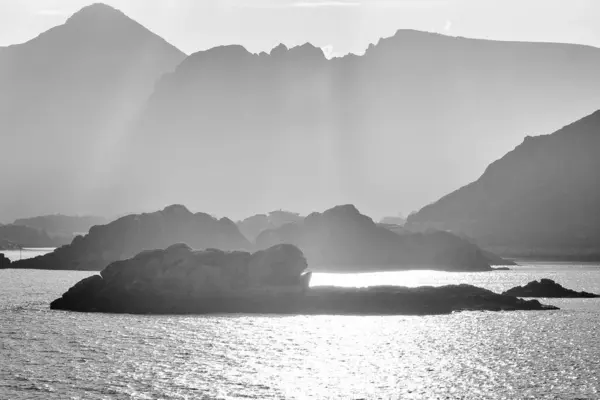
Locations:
column 414, row 117
column 395, row 128
column 252, row 226
column 542, row 199
column 342, row 238
column 63, row 225
column 12, row 236
column 132, row 234
column 67, row 99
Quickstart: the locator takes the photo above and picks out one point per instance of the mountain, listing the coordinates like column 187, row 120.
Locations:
column 542, row 199
column 341, row 238
column 14, row 236
column 414, row 117
column 129, row 235
column 67, row 100
column 62, row 225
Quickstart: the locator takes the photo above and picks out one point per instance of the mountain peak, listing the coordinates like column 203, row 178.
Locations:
column 97, row 12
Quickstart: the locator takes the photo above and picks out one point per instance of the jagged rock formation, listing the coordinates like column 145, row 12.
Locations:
column 15, row 236
column 62, row 225
column 342, row 238
column 67, row 98
column 252, row 226
column 131, row 234
column 180, row 280
column 4, row 261
column 545, row 288
column 539, row 200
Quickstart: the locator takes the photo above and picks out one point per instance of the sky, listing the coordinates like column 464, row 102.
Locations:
column 337, row 26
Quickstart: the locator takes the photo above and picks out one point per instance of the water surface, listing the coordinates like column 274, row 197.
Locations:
column 473, row 355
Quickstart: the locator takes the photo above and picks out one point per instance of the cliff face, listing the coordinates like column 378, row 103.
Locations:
column 129, row 235
column 342, row 238
column 541, row 198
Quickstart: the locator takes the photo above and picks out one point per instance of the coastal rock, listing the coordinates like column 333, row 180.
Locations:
column 546, row 288
column 179, row 279
column 342, row 238
column 4, row 261
column 129, row 235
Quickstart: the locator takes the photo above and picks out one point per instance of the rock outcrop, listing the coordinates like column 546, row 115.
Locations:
column 546, row 288
column 134, row 233
column 180, row 280
column 4, row 261
column 539, row 201
column 343, row 238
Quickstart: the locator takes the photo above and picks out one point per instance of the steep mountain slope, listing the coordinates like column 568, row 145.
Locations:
column 415, row 116
column 342, row 238
column 541, row 199
column 132, row 234
column 67, row 99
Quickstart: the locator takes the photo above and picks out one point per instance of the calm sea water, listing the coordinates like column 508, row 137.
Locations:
column 48, row 354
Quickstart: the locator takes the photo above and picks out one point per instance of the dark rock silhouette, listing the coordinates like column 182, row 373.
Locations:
column 252, row 226
column 131, row 234
column 545, row 288
column 180, row 280
column 15, row 236
column 343, row 238
column 68, row 98
column 62, row 225
column 4, row 261
column 360, row 127
column 540, row 200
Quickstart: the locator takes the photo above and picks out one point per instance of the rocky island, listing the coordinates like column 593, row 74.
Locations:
column 180, row 280
column 546, row 288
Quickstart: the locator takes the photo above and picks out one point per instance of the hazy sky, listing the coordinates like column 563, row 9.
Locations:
column 340, row 26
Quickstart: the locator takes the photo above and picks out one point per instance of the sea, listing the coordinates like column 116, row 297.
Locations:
column 47, row 354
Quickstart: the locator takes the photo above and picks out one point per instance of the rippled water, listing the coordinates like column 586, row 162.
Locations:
column 512, row 355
